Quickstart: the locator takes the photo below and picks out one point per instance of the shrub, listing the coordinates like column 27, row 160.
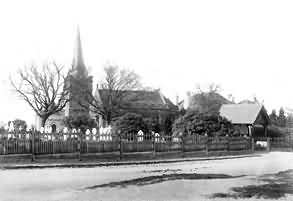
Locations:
column 194, row 122
column 129, row 123
column 82, row 122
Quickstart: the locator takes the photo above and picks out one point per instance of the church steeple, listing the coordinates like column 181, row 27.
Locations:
column 78, row 65
column 78, row 83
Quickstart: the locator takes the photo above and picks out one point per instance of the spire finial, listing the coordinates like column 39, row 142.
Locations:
column 78, row 63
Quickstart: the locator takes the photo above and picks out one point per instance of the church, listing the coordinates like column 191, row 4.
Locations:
column 147, row 103
column 78, row 74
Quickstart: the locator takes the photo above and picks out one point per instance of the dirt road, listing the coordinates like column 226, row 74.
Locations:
column 197, row 180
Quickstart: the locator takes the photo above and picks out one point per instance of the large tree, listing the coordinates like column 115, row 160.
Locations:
column 43, row 88
column 207, row 101
column 114, row 87
column 274, row 117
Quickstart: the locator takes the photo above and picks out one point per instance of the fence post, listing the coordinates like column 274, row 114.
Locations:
column 5, row 144
column 289, row 139
column 136, row 140
column 87, row 146
column 228, row 143
column 53, row 143
column 182, row 145
column 120, row 146
column 79, row 140
column 207, row 145
column 33, row 145
column 154, row 144
column 252, row 144
column 290, row 142
column 268, row 144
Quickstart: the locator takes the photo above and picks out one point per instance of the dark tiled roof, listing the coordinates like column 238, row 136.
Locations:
column 198, row 100
column 140, row 99
column 212, row 96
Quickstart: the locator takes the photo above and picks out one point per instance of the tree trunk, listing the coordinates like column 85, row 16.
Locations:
column 44, row 119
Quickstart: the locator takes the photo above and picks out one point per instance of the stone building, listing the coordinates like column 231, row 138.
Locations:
column 78, row 79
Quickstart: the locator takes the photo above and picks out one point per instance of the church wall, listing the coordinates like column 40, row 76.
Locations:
column 56, row 119
column 78, row 90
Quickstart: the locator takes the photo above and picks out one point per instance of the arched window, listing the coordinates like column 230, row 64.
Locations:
column 54, row 128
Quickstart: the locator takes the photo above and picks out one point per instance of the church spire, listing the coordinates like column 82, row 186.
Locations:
column 78, row 64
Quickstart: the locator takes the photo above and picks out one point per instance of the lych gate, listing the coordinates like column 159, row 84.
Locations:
column 247, row 119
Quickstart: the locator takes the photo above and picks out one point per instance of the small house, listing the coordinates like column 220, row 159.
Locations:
column 246, row 117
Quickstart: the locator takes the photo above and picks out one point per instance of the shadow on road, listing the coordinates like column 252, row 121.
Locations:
column 277, row 186
column 162, row 178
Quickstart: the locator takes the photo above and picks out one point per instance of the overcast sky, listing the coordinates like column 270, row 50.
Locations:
column 245, row 46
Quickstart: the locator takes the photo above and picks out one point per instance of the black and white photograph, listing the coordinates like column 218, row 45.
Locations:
column 158, row 100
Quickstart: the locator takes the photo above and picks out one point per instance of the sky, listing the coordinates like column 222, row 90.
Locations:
column 244, row 46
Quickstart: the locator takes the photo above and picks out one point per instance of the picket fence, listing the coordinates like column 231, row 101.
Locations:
column 37, row 143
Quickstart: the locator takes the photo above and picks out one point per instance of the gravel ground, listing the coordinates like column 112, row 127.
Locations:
column 196, row 180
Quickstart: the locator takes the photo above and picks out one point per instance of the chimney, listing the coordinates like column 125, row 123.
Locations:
column 188, row 99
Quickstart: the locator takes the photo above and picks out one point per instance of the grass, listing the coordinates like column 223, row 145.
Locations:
column 267, row 191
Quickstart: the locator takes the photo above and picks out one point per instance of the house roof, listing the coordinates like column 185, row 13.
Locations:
column 197, row 100
column 142, row 99
column 244, row 113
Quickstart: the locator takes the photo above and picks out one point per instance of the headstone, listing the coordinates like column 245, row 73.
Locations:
column 140, row 135
column 157, row 137
column 87, row 132
column 65, row 130
column 11, row 127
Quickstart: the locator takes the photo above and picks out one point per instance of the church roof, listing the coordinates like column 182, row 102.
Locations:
column 141, row 99
column 244, row 113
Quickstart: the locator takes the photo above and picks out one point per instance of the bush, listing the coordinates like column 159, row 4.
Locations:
column 151, row 124
column 132, row 123
column 82, row 122
column 129, row 123
column 202, row 123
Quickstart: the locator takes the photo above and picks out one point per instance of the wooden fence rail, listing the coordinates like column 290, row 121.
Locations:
column 48, row 143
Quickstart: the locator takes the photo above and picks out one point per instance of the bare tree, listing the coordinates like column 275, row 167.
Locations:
column 212, row 88
column 114, row 88
column 44, row 89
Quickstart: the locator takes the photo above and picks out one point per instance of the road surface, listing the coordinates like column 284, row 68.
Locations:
column 196, row 180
